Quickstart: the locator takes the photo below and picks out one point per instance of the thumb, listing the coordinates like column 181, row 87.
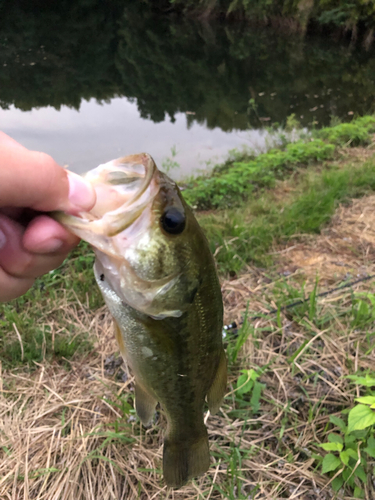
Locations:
column 34, row 180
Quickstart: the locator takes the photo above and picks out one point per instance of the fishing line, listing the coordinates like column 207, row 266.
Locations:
column 234, row 325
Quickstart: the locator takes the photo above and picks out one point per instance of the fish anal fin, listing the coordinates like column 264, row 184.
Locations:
column 185, row 459
column 144, row 404
column 217, row 390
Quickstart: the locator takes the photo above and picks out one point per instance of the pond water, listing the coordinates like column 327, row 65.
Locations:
column 96, row 80
column 97, row 133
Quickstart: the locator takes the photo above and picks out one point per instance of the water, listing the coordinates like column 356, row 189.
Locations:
column 97, row 133
column 95, row 80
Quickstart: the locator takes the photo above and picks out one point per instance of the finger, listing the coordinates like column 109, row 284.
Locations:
column 45, row 235
column 35, row 180
column 16, row 261
column 11, row 287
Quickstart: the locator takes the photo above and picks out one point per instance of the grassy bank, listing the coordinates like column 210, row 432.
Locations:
column 286, row 192
column 292, row 424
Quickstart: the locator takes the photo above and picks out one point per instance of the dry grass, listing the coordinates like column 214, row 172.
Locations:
column 71, row 433
column 345, row 250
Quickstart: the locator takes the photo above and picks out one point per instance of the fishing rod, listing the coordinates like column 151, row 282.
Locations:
column 234, row 325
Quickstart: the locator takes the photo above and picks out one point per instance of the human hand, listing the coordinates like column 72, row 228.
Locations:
column 31, row 242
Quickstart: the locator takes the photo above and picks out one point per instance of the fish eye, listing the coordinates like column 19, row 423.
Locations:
column 173, row 221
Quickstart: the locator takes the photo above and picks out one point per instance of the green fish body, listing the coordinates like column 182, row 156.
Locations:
column 158, row 278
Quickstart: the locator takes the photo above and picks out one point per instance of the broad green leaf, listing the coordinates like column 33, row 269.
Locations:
column 348, row 476
column 370, row 452
column 331, row 446
column 337, row 483
column 338, row 422
column 330, row 463
column 367, row 400
column 350, row 440
column 352, row 453
column 247, row 381
column 360, row 417
column 359, row 472
column 359, row 492
column 370, row 449
column 365, row 381
column 252, row 374
column 344, row 457
column 335, row 438
column 346, row 473
column 244, row 384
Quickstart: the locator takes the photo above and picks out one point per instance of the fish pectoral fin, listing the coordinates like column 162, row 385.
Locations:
column 217, row 390
column 184, row 459
column 119, row 339
column 144, row 404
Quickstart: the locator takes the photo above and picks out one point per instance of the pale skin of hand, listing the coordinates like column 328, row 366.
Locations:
column 32, row 243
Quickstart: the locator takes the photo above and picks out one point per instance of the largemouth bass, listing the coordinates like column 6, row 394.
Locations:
column 158, row 279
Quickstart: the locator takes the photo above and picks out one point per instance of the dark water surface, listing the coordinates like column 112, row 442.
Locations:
column 95, row 80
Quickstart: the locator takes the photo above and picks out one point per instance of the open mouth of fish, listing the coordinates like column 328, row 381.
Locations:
column 124, row 188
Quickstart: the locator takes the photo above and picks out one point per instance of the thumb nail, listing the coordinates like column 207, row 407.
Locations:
column 81, row 194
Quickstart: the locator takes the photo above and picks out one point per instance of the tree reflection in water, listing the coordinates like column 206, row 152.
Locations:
column 54, row 54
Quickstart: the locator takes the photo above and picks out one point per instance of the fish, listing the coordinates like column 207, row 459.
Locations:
column 158, row 278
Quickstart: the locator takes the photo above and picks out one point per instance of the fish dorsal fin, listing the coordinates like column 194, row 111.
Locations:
column 217, row 390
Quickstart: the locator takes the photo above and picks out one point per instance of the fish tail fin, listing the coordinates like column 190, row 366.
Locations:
column 185, row 458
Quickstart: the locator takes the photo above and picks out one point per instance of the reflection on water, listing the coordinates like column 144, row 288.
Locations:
column 156, row 74
column 98, row 133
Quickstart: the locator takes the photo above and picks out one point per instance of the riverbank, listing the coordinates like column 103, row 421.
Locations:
column 291, row 190
column 68, row 426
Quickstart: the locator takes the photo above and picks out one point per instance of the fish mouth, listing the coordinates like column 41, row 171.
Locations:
column 124, row 187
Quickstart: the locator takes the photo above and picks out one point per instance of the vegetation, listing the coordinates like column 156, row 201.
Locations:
column 25, row 339
column 62, row 53
column 298, row 416
column 291, row 190
column 245, row 235
column 353, row 447
column 237, row 180
column 298, row 419
column 286, row 424
column 304, row 201
column 347, row 14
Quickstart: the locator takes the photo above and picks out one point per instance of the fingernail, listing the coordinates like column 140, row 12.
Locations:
column 3, row 239
column 81, row 194
column 48, row 246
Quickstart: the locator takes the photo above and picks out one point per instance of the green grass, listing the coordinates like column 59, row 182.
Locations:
column 46, row 316
column 238, row 236
column 244, row 235
column 289, row 372
column 238, row 180
column 297, row 344
column 356, row 133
